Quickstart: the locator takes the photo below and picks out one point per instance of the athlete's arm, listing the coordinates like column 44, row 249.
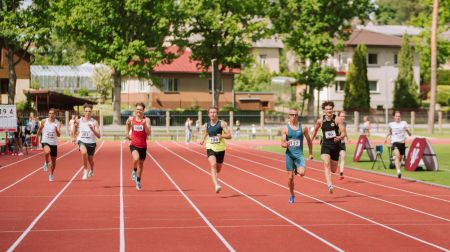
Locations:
column 342, row 131
column 58, row 129
column 95, row 129
column 284, row 143
column 226, row 131
column 316, row 128
column 388, row 135
column 407, row 129
column 147, row 128
column 204, row 135
column 41, row 125
column 309, row 141
column 127, row 128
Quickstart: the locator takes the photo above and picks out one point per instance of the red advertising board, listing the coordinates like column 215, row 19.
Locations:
column 421, row 149
column 362, row 144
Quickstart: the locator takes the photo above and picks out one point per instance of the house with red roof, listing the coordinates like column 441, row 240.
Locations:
column 183, row 84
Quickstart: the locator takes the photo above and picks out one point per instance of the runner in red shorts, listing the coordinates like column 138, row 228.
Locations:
column 139, row 126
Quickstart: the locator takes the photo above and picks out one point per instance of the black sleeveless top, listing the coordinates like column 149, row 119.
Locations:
column 330, row 130
column 214, row 130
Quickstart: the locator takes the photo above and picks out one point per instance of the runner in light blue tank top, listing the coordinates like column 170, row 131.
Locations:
column 292, row 140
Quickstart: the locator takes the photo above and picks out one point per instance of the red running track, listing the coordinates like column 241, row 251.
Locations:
column 177, row 209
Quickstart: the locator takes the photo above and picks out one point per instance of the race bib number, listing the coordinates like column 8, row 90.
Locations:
column 51, row 134
column 330, row 134
column 138, row 127
column 214, row 140
column 294, row 143
column 85, row 134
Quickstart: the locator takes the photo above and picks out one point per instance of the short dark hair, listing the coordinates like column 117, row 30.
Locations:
column 340, row 112
column 213, row 107
column 140, row 104
column 395, row 112
column 294, row 109
column 327, row 103
column 51, row 109
column 87, row 105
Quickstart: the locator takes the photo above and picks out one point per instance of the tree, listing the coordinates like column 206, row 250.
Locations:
column 223, row 31
column 59, row 51
column 103, row 81
column 126, row 35
column 357, row 92
column 316, row 29
column 21, row 27
column 254, row 79
column 394, row 12
column 405, row 92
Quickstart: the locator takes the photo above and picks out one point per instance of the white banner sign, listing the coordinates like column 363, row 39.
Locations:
column 8, row 118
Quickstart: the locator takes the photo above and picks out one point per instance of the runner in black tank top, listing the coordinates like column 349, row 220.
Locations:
column 333, row 132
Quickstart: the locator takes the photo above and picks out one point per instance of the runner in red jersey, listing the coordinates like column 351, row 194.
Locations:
column 137, row 130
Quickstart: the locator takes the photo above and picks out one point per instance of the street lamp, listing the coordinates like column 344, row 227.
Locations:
column 212, row 81
column 386, row 97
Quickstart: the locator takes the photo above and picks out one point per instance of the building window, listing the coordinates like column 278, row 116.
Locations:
column 210, row 85
column 143, row 86
column 262, row 59
column 124, row 87
column 373, row 86
column 265, row 104
column 170, row 85
column 395, row 59
column 340, row 86
column 4, row 86
column 372, row 59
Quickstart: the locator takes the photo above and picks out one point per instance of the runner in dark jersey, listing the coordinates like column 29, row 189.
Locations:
column 216, row 131
column 333, row 131
column 139, row 125
column 292, row 140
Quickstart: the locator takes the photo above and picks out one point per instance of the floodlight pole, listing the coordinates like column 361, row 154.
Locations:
column 212, row 82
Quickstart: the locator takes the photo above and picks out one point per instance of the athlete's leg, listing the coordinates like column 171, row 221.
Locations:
column 342, row 154
column 213, row 166
column 53, row 165
column 91, row 162
column 398, row 159
column 327, row 169
column 47, row 154
column 291, row 182
column 84, row 158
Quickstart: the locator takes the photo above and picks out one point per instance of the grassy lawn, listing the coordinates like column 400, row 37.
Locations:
column 440, row 177
column 445, row 133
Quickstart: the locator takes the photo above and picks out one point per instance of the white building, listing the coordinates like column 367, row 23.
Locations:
column 383, row 52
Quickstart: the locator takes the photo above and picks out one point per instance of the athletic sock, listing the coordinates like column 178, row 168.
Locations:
column 138, row 179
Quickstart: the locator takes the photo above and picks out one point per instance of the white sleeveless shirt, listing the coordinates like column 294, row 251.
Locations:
column 49, row 132
column 86, row 135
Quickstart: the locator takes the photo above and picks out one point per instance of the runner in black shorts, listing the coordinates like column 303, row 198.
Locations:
column 333, row 133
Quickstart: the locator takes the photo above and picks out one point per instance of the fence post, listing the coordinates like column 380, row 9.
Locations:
column 100, row 117
column 231, row 120
column 199, row 116
column 413, row 121
column 356, row 121
column 167, row 121
column 440, row 121
column 67, row 122
column 262, row 119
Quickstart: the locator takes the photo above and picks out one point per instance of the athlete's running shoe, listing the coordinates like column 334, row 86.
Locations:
column 133, row 175
column 45, row 167
column 291, row 199
column 50, row 177
column 85, row 174
column 91, row 173
column 341, row 176
column 330, row 189
column 399, row 175
column 218, row 188
column 138, row 185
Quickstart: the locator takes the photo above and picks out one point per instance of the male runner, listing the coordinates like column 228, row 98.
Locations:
column 292, row 140
column 333, row 132
column 397, row 130
column 139, row 125
column 216, row 131
column 50, row 128
column 88, row 132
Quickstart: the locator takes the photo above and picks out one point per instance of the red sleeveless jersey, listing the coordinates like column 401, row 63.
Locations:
column 138, row 135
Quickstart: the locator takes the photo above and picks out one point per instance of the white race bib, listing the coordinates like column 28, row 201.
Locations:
column 85, row 134
column 294, row 143
column 330, row 134
column 214, row 140
column 51, row 134
column 138, row 127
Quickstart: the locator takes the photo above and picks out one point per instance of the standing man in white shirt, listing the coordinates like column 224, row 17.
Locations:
column 397, row 132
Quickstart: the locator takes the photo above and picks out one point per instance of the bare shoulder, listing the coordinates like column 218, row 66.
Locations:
column 223, row 124
column 284, row 129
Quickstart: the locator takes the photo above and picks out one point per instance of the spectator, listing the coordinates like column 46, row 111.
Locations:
column 18, row 138
column 237, row 133
column 188, row 130
column 365, row 128
column 253, row 131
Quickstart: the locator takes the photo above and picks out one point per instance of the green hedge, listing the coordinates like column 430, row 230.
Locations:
column 443, row 95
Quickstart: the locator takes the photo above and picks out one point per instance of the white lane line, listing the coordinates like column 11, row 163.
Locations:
column 363, row 180
column 348, row 190
column 31, row 173
column 261, row 204
column 334, row 206
column 35, row 221
column 40, row 152
column 218, row 234
column 122, row 222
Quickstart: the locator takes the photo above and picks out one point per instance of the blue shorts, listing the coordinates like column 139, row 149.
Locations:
column 294, row 161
